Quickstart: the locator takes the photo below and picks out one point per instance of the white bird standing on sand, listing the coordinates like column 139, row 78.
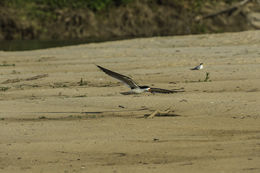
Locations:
column 199, row 67
column 135, row 89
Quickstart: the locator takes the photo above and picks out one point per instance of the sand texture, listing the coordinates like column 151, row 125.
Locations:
column 59, row 113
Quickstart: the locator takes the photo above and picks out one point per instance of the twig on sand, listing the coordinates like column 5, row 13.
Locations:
column 153, row 114
column 26, row 79
column 227, row 10
column 37, row 77
column 11, row 81
column 167, row 112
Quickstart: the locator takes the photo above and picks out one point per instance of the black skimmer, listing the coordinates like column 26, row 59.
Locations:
column 199, row 67
column 135, row 89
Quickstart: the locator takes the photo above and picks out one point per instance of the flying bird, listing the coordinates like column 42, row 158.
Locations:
column 199, row 67
column 135, row 88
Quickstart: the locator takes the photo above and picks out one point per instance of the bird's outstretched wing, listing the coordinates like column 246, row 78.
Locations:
column 127, row 80
column 165, row 91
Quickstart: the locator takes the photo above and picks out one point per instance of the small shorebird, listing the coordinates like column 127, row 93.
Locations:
column 135, row 89
column 199, row 67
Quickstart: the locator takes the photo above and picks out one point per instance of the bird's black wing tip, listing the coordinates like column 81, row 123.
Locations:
column 164, row 91
column 101, row 68
column 98, row 66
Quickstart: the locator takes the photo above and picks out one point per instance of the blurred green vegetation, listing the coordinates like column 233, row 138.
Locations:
column 97, row 5
column 38, row 15
column 44, row 10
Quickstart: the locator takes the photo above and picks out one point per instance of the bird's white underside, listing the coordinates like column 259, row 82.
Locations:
column 139, row 90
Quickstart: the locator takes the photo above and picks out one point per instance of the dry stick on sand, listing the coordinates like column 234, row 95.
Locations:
column 11, row 81
column 160, row 113
column 227, row 10
column 26, row 79
column 37, row 77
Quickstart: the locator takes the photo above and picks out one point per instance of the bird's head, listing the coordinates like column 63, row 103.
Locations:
column 148, row 89
column 201, row 63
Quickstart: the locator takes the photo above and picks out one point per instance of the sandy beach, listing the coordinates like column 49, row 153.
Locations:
column 59, row 113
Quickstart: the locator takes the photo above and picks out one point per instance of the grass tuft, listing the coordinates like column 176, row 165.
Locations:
column 4, row 64
column 42, row 117
column 4, row 88
column 82, row 82
column 207, row 77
